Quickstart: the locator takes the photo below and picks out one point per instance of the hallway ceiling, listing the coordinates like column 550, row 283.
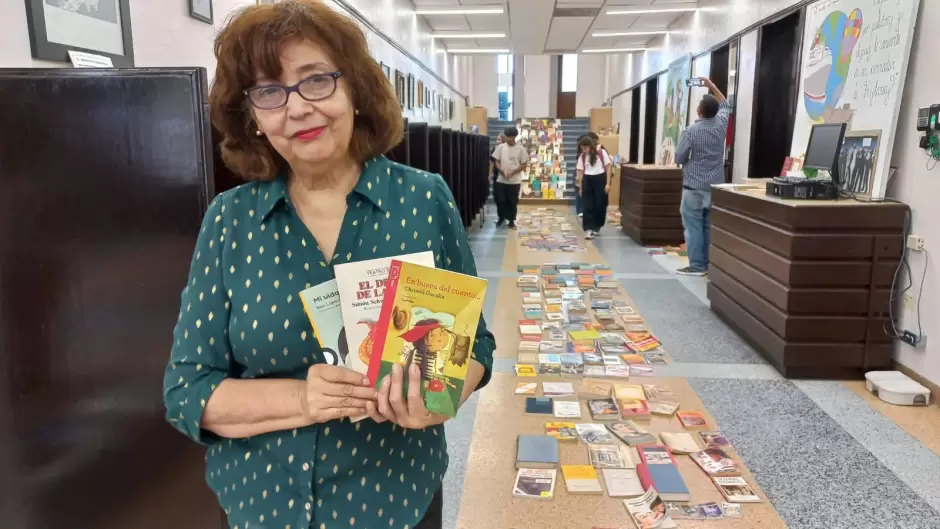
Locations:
column 534, row 27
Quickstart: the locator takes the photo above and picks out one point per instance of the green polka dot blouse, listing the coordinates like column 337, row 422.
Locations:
column 241, row 317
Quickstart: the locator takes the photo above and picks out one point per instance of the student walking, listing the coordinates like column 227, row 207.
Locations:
column 510, row 159
column 593, row 178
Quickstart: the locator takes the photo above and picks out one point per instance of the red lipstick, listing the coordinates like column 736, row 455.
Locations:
column 309, row 134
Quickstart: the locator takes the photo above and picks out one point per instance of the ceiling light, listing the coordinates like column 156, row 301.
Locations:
column 651, row 11
column 626, row 33
column 614, row 50
column 468, row 35
column 477, row 50
column 461, row 11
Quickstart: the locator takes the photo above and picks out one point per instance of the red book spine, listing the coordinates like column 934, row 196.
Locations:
column 385, row 319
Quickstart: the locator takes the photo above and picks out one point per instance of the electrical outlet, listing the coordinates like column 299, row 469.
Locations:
column 915, row 242
column 910, row 302
column 914, row 340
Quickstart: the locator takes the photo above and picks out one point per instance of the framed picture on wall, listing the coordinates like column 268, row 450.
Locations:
column 411, row 92
column 858, row 161
column 440, row 107
column 451, row 109
column 386, row 70
column 427, row 97
column 201, row 10
column 421, row 94
column 400, row 88
column 102, row 28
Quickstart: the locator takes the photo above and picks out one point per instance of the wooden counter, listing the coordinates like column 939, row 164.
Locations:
column 806, row 282
column 649, row 201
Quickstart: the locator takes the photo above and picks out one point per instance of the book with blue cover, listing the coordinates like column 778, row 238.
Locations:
column 658, row 470
column 537, row 451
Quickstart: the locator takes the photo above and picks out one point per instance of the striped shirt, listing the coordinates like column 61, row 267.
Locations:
column 701, row 150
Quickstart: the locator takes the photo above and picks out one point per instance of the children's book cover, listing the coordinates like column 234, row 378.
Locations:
column 429, row 318
column 322, row 305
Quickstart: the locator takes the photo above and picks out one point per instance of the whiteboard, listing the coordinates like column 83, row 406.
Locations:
column 854, row 62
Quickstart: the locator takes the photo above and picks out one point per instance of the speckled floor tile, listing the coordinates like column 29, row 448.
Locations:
column 623, row 255
column 687, row 328
column 816, row 474
column 912, row 462
column 921, row 422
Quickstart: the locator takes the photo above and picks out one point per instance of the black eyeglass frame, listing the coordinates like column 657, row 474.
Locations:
column 295, row 88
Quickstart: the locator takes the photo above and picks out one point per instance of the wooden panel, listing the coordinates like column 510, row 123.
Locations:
column 567, row 102
column 807, row 283
column 649, row 201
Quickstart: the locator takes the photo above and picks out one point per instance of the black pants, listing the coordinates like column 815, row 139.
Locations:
column 434, row 517
column 507, row 201
column 594, row 201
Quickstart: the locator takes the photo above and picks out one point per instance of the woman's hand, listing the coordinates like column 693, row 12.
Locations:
column 407, row 412
column 332, row 392
column 607, row 189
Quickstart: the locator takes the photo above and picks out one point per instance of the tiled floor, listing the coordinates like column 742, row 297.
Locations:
column 825, row 454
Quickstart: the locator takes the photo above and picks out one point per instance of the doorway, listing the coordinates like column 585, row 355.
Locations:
column 567, row 96
column 649, row 122
column 634, row 126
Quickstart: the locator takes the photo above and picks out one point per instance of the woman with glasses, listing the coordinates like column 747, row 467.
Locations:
column 306, row 115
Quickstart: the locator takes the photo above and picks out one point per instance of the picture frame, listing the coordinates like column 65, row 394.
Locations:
column 57, row 26
column 427, row 97
column 411, row 92
column 421, row 98
column 386, row 70
column 440, row 107
column 400, row 88
column 201, row 10
column 858, row 161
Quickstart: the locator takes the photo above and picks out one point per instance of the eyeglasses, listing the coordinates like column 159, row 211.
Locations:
column 314, row 88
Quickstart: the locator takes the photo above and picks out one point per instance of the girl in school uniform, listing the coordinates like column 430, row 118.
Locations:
column 593, row 179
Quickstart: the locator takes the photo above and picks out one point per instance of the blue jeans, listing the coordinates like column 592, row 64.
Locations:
column 695, row 209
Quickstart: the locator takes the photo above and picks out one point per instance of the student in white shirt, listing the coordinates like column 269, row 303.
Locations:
column 593, row 178
column 511, row 159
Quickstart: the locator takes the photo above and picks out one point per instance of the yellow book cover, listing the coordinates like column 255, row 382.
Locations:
column 584, row 335
column 629, row 392
column 429, row 317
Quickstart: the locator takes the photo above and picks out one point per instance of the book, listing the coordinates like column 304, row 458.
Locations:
column 563, row 431
column 629, row 392
column 714, row 440
column 610, row 456
column 621, row 371
column 603, row 409
column 663, row 408
column 691, row 419
column 549, row 364
column 649, row 511
column 715, row 462
column 539, row 406
column 526, row 388
column 429, row 319
column 656, row 393
column 594, row 434
column 536, row 451
column 680, row 443
column 622, row 482
column 324, row 310
column 526, row 370
column 534, row 483
column 581, row 479
column 530, row 328
column 633, row 409
column 731, row 510
column 702, row 511
column 641, row 370
column 557, row 389
column 527, row 358
column 736, row 490
column 631, row 433
column 572, row 364
column 567, row 409
column 658, row 470
column 595, row 389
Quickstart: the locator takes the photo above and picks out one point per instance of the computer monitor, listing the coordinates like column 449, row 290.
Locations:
column 822, row 151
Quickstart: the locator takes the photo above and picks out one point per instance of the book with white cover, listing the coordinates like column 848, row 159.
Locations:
column 622, row 482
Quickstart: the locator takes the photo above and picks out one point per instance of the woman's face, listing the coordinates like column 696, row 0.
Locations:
column 585, row 149
column 301, row 131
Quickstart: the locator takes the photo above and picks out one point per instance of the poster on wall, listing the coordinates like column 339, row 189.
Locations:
column 676, row 110
column 102, row 27
column 854, row 62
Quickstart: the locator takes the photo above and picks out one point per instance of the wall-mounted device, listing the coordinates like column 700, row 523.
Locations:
column 923, row 119
column 934, row 119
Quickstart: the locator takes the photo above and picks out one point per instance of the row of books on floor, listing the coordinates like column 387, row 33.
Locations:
column 634, row 463
column 543, row 230
column 399, row 310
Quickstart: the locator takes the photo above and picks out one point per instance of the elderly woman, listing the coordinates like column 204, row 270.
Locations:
column 306, row 115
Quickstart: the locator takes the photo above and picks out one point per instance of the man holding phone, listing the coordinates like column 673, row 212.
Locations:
column 701, row 153
column 510, row 159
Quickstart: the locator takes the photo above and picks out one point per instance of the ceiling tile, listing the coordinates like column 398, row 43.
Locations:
column 566, row 33
column 615, row 22
column 447, row 22
column 489, row 22
column 655, row 20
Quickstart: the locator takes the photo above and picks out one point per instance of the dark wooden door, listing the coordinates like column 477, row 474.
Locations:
column 106, row 175
column 567, row 103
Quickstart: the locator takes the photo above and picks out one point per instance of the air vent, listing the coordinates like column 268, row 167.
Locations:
column 576, row 12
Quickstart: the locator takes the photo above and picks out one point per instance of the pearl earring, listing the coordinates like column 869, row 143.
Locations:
column 356, row 111
column 258, row 133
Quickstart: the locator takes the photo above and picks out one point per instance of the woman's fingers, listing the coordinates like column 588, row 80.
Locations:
column 396, row 397
column 416, row 408
column 348, row 390
column 372, row 409
column 341, row 375
column 333, row 402
column 384, row 406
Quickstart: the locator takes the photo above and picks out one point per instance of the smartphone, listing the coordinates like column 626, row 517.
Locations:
column 695, row 81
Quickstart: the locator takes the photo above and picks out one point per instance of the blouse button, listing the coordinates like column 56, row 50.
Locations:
column 306, row 467
column 307, row 506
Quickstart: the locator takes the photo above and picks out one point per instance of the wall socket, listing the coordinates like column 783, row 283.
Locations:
column 915, row 242
column 914, row 340
column 910, row 302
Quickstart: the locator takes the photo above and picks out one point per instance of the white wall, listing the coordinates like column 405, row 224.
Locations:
column 592, row 88
column 919, row 187
column 537, row 91
column 165, row 35
column 744, row 102
column 642, row 142
column 483, row 91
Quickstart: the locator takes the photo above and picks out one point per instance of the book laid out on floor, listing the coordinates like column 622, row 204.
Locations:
column 581, row 479
column 658, row 470
column 590, row 433
column 537, row 451
column 526, row 388
column 715, row 462
column 361, row 286
column 622, row 482
column 714, row 440
column 736, row 490
column 691, row 419
column 610, row 456
column 557, row 389
column 539, row 406
column 631, row 433
column 429, row 319
column 535, row 483
column 595, row 389
column 567, row 409
column 681, row 442
column 324, row 310
column 603, row 409
column 649, row 511
column 563, row 431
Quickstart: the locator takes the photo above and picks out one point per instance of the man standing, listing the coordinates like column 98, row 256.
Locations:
column 510, row 159
column 701, row 153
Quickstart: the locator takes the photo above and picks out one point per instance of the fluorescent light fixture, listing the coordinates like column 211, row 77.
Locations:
column 651, row 11
column 626, row 33
column 477, row 50
column 468, row 35
column 461, row 11
column 614, row 50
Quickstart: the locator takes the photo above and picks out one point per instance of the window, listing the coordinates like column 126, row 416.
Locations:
column 569, row 72
column 505, row 66
column 504, row 63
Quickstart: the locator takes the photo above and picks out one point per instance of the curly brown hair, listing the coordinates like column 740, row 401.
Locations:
column 251, row 43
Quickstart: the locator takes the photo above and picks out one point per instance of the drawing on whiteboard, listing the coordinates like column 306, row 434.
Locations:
column 828, row 62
